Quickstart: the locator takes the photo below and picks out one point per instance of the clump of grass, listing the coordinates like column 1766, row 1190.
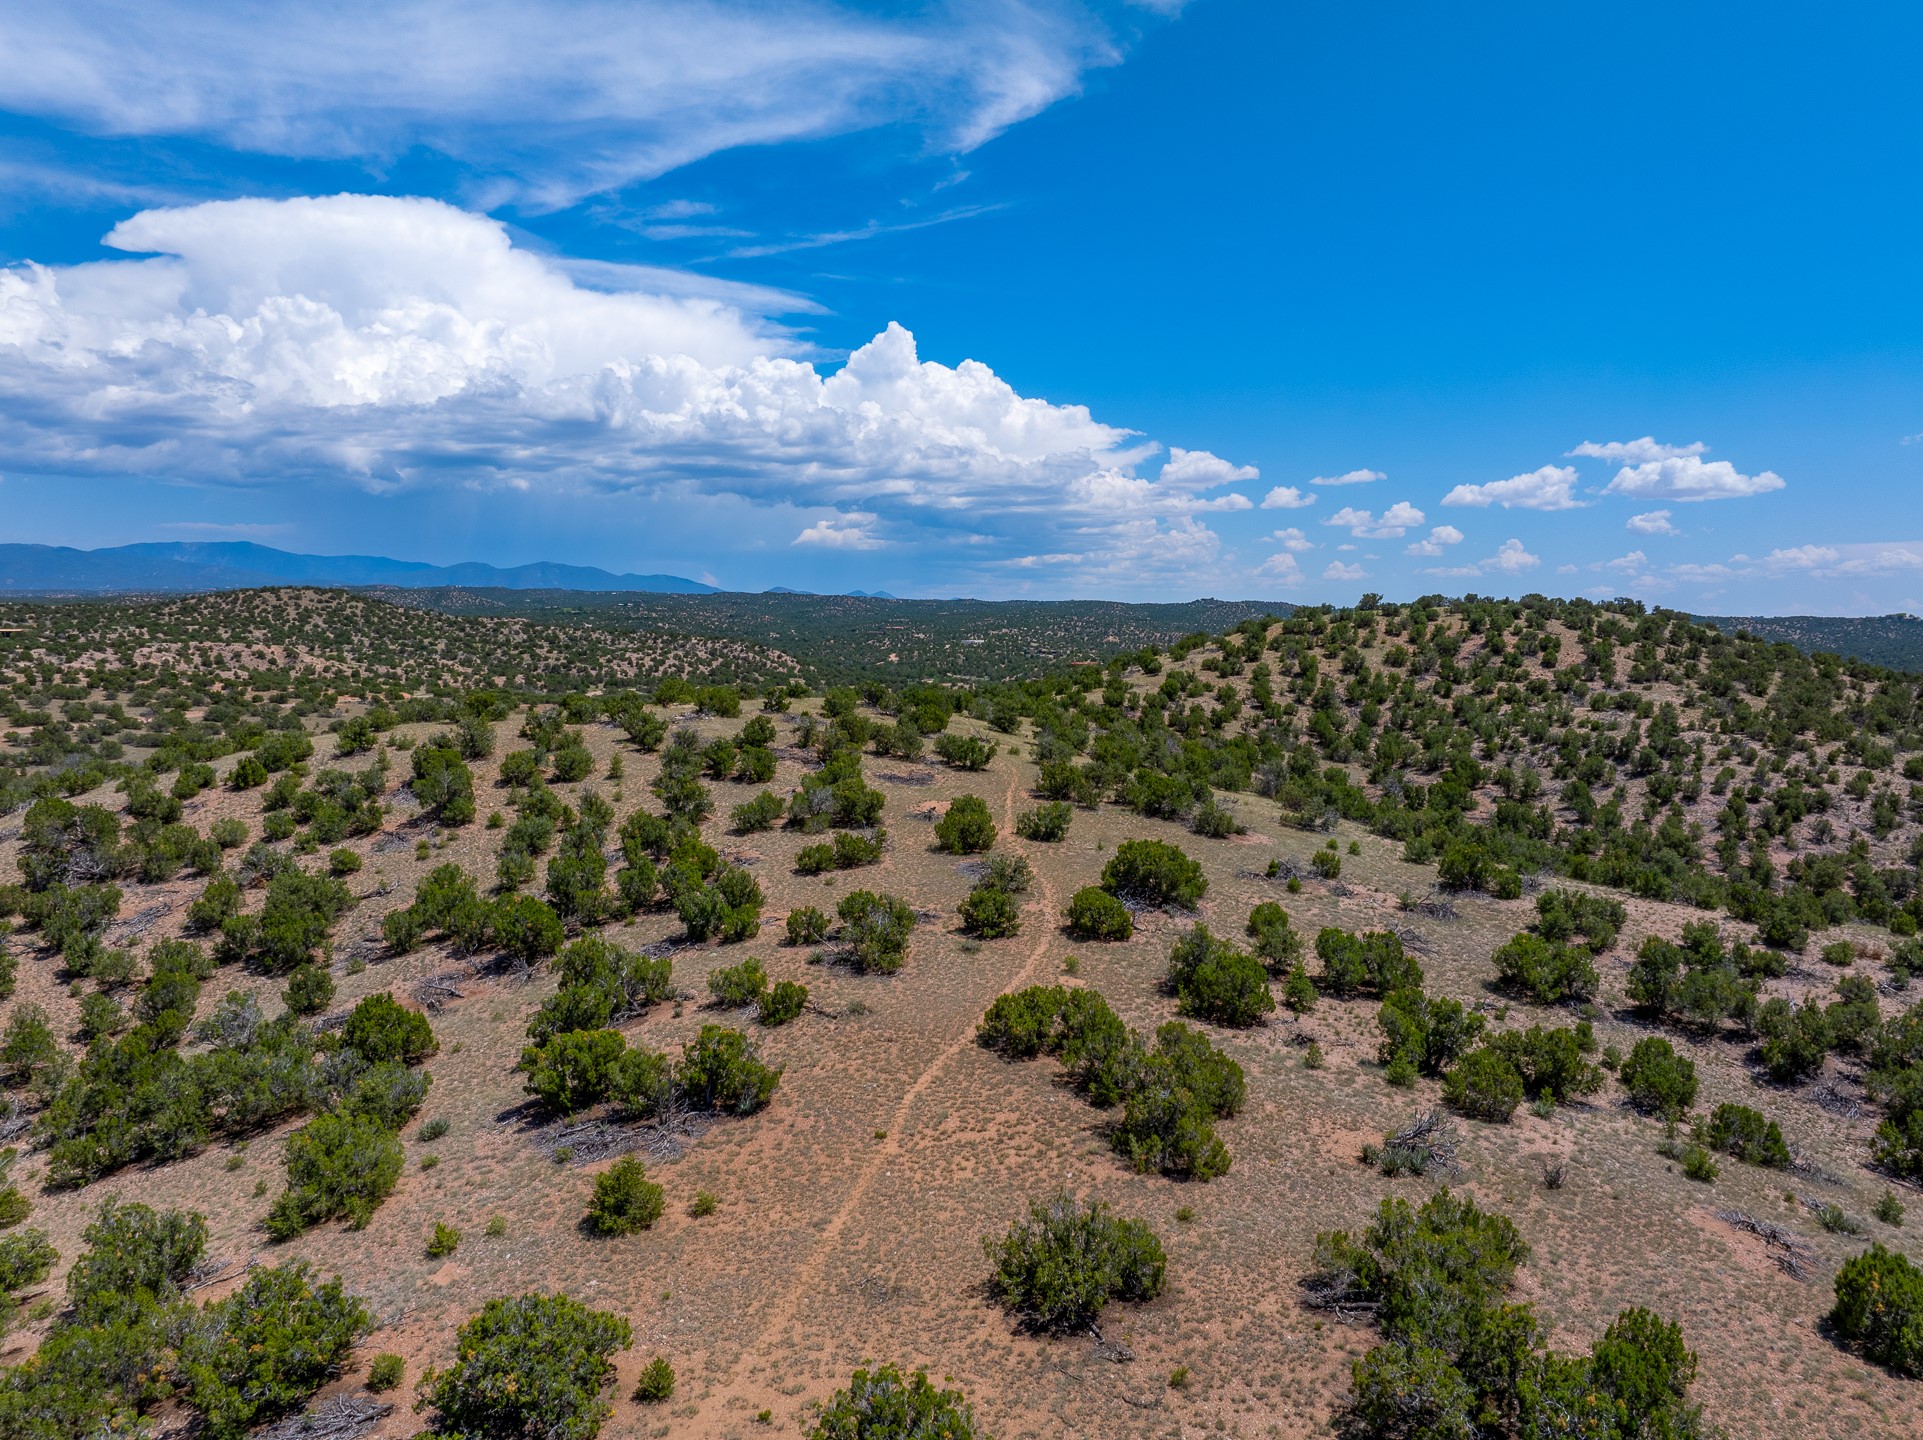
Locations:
column 656, row 1383
column 386, row 1373
column 1836, row 1220
column 496, row 1227
column 703, row 1204
column 445, row 1240
column 1178, row 1378
column 432, row 1130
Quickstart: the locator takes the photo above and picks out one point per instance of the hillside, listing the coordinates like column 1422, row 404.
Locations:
column 1601, row 919
column 848, row 639
column 1895, row 641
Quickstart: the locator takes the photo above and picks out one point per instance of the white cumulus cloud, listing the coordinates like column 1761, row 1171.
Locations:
column 1287, row 497
column 1281, row 567
column 1440, row 536
column 1511, row 559
column 853, row 531
column 1553, row 487
column 1636, row 452
column 1199, row 470
column 1339, row 570
column 1350, row 477
column 1689, row 478
column 1395, row 522
column 1293, row 540
column 405, row 344
column 1652, row 522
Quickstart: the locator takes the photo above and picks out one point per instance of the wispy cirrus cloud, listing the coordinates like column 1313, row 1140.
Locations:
column 543, row 100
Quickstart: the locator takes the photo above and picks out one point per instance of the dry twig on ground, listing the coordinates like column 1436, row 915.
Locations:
column 1792, row 1253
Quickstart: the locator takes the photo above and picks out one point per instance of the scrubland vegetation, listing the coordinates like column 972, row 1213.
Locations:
column 1473, row 1018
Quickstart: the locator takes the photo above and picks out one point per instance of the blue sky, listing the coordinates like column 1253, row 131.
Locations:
column 1013, row 297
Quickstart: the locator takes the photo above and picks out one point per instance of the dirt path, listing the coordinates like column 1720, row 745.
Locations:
column 807, row 1277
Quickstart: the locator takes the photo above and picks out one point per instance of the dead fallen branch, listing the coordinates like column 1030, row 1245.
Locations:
column 436, row 992
column 1427, row 1143
column 212, row 1272
column 1792, row 1253
column 341, row 1417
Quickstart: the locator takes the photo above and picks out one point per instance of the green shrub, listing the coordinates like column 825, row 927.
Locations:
column 1326, row 863
column 1561, row 914
column 625, row 1200
column 807, row 926
column 309, row 990
column 1214, row 981
column 443, row 1242
column 1659, row 1081
column 380, row 1028
column 1170, row 1096
column 1795, row 1039
column 443, row 783
column 656, row 1383
column 1545, row 972
column 1698, row 1164
column 882, row 1405
column 1484, row 1086
column 1047, row 823
column 1022, row 1024
column 966, row 828
column 1154, row 872
column 386, row 1373
column 737, row 985
column 533, row 1365
column 761, row 813
column 1889, row 1209
column 264, row 1350
column 344, row 862
column 720, row 1070
column 26, row 1258
column 875, row 930
column 783, row 1002
column 1298, row 990
column 1094, row 914
column 991, row 913
column 136, row 1258
column 1370, row 963
column 641, row 1083
column 1427, row 1033
column 1277, row 944
column 1061, row 1267
column 1432, row 1271
column 1744, row 1133
column 573, row 1070
column 964, row 752
column 526, row 928
column 1879, row 1308
column 1550, row 1061
column 337, row 1165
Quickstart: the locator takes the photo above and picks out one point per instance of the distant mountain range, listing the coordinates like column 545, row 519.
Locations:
column 236, row 564
column 850, row 594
